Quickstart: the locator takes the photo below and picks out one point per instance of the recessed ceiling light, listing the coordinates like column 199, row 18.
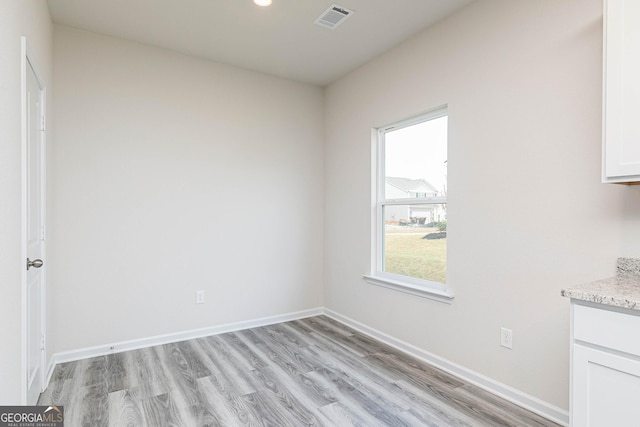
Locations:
column 262, row 2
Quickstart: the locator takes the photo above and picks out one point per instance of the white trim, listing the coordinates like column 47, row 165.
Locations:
column 102, row 350
column 23, row 245
column 571, row 363
column 415, row 201
column 433, row 113
column 408, row 288
column 526, row 401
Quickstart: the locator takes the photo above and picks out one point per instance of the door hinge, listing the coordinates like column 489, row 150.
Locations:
column 42, row 233
column 42, row 343
column 42, row 123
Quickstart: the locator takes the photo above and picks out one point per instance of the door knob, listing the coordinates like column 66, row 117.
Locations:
column 36, row 263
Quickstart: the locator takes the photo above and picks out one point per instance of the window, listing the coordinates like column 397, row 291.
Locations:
column 410, row 212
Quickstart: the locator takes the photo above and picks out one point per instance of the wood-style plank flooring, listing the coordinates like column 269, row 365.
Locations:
column 311, row 372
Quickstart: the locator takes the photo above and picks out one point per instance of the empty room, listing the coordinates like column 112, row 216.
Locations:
column 284, row 213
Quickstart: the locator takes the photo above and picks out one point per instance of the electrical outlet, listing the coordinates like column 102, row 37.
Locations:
column 199, row 297
column 506, row 338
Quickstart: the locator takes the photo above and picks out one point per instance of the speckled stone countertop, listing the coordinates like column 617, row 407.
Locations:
column 622, row 290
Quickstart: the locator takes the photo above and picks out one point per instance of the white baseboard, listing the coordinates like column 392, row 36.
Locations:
column 518, row 397
column 101, row 350
column 531, row 403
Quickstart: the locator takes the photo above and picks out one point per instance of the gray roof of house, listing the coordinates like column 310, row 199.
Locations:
column 407, row 184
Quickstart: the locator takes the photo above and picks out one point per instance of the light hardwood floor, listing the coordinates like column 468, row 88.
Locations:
column 311, row 372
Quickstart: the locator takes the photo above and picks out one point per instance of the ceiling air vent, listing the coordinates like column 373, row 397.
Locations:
column 333, row 16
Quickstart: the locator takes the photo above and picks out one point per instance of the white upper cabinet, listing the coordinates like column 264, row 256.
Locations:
column 621, row 94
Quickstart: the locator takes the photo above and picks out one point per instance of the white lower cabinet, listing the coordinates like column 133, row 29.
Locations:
column 606, row 389
column 605, row 368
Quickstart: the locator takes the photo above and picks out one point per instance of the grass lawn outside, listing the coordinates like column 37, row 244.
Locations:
column 408, row 254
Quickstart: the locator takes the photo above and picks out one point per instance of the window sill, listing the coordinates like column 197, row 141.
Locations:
column 408, row 288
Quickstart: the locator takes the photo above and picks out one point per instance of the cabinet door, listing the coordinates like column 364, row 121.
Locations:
column 605, row 389
column 621, row 92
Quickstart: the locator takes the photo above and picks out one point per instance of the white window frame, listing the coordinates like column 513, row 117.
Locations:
column 419, row 287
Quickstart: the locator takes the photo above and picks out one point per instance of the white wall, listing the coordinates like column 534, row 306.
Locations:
column 30, row 19
column 527, row 212
column 631, row 223
column 173, row 174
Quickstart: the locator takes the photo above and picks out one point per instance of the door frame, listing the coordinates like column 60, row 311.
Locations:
column 27, row 60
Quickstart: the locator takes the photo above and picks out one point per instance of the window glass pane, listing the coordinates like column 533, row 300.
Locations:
column 415, row 241
column 415, row 160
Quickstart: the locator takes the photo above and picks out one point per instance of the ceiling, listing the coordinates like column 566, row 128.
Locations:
column 281, row 40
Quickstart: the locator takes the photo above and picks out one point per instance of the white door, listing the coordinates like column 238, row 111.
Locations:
column 34, row 162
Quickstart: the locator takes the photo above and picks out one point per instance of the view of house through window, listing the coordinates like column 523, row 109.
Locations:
column 412, row 206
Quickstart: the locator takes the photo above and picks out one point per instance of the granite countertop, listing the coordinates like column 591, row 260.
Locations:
column 622, row 290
